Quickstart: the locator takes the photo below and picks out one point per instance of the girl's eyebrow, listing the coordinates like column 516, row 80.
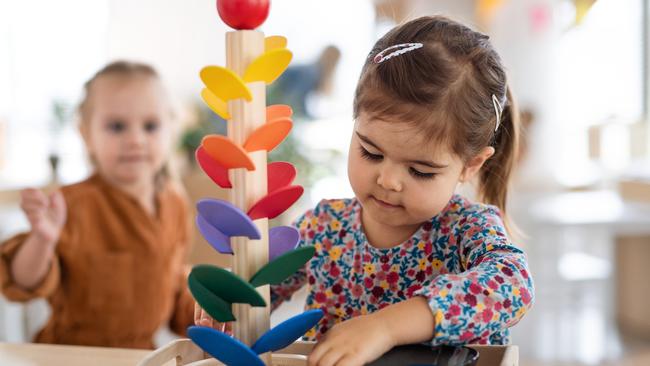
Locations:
column 430, row 164
column 367, row 141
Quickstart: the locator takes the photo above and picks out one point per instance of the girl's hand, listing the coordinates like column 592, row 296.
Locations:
column 46, row 214
column 203, row 319
column 356, row 341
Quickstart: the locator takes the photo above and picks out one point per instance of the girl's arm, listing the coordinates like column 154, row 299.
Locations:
column 283, row 292
column 307, row 225
column 363, row 339
column 29, row 267
column 32, row 261
column 46, row 215
column 492, row 294
column 408, row 322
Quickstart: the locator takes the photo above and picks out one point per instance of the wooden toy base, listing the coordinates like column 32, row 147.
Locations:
column 185, row 352
column 188, row 354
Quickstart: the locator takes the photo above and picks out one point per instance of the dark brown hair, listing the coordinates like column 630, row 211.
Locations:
column 446, row 88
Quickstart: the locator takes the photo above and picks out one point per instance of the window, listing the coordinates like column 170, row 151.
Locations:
column 48, row 50
column 598, row 82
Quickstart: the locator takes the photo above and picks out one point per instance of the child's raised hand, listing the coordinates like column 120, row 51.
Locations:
column 203, row 319
column 354, row 342
column 46, row 214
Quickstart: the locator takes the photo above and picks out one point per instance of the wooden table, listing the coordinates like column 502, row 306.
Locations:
column 30, row 354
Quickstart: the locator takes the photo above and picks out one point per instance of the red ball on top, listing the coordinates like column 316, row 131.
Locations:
column 243, row 14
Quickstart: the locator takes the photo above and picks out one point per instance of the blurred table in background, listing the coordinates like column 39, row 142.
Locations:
column 26, row 354
column 625, row 215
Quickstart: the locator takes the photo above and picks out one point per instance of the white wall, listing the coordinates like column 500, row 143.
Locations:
column 47, row 50
column 180, row 37
column 177, row 37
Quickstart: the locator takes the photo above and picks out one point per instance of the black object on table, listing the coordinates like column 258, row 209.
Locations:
column 423, row 355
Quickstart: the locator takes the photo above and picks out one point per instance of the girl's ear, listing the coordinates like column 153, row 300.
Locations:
column 474, row 164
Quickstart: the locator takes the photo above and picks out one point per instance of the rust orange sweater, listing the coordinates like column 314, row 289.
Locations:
column 118, row 273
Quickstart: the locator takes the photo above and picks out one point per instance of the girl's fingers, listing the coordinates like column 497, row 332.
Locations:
column 203, row 319
column 29, row 192
column 317, row 354
column 348, row 360
column 30, row 203
column 34, row 212
column 197, row 313
column 207, row 319
column 329, row 358
column 205, row 323
column 35, row 215
column 42, row 209
column 33, row 195
column 57, row 204
column 33, row 202
column 33, row 209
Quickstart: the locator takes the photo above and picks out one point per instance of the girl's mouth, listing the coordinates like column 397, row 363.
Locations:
column 132, row 159
column 384, row 203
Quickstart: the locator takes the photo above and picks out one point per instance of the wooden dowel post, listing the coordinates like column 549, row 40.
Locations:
column 242, row 47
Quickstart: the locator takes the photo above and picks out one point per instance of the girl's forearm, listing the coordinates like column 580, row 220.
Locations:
column 409, row 321
column 31, row 263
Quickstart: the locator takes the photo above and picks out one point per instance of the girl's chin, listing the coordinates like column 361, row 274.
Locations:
column 381, row 214
column 391, row 216
column 396, row 222
column 132, row 177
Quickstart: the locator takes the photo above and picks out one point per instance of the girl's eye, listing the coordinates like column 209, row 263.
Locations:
column 419, row 175
column 116, row 126
column 367, row 155
column 151, row 126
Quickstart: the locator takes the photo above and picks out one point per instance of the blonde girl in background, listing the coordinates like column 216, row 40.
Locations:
column 107, row 253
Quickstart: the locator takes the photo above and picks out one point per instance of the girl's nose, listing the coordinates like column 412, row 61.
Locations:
column 136, row 137
column 389, row 179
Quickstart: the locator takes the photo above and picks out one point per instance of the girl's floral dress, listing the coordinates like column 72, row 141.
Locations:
column 476, row 282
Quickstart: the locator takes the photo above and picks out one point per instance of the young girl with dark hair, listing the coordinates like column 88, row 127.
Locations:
column 408, row 260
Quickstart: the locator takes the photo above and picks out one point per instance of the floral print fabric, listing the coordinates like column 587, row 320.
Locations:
column 476, row 282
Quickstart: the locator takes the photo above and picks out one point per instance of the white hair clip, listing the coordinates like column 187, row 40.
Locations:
column 498, row 109
column 403, row 48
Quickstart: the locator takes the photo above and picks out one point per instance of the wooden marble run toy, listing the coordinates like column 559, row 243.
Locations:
column 258, row 191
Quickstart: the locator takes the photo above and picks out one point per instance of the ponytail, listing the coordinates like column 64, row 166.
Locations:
column 496, row 172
